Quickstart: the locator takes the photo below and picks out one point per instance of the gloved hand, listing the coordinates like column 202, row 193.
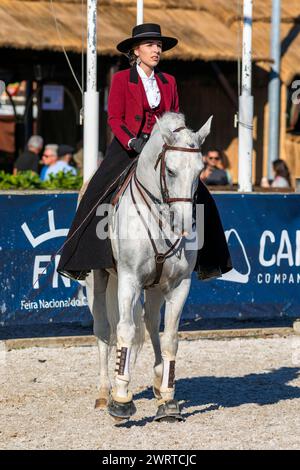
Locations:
column 137, row 144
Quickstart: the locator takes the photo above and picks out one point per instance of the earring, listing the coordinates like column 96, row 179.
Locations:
column 138, row 61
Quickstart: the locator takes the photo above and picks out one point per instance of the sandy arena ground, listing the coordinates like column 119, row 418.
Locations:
column 237, row 394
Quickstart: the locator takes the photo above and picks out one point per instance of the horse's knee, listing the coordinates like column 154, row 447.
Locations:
column 125, row 332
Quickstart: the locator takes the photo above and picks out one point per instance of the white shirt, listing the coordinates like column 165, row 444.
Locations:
column 151, row 87
column 280, row 182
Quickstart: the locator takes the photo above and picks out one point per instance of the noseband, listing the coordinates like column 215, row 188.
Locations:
column 163, row 182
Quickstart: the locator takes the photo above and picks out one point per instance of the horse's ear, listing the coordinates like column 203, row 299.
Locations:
column 204, row 131
column 166, row 133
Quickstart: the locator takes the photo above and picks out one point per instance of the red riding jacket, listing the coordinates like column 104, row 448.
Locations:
column 126, row 112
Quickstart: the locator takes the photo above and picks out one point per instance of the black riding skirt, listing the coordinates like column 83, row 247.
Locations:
column 83, row 250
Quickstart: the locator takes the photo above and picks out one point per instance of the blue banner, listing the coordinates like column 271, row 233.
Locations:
column 263, row 232
column 33, row 228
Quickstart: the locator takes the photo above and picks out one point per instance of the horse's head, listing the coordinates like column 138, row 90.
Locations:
column 178, row 166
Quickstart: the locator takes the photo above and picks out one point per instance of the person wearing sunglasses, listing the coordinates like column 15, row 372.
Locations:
column 214, row 173
column 49, row 160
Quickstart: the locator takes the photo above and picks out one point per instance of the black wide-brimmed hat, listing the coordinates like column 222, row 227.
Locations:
column 146, row 31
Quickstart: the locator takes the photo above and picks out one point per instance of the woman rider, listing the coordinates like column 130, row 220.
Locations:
column 137, row 96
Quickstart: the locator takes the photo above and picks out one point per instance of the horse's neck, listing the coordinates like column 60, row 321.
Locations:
column 145, row 170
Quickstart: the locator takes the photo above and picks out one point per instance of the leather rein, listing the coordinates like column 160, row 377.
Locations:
column 159, row 257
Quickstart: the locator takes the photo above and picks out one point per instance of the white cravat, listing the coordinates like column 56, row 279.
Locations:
column 151, row 87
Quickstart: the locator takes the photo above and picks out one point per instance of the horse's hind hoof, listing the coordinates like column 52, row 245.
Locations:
column 101, row 403
column 156, row 393
column 120, row 411
column 169, row 412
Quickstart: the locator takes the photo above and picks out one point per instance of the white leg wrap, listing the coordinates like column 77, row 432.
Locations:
column 123, row 363
column 168, row 375
column 122, row 374
column 127, row 362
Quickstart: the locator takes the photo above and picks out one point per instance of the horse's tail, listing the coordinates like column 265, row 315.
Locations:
column 113, row 317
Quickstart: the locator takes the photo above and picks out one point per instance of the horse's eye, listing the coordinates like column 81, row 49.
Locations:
column 170, row 172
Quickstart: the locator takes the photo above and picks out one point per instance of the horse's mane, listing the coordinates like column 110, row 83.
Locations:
column 172, row 120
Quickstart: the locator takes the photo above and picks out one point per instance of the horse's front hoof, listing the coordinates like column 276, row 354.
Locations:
column 120, row 411
column 169, row 412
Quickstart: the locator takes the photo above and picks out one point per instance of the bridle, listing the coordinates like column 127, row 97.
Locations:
column 163, row 182
column 143, row 191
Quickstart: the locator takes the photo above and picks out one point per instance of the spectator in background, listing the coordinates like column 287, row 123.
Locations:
column 65, row 161
column 282, row 177
column 57, row 158
column 49, row 160
column 78, row 157
column 214, row 173
column 30, row 158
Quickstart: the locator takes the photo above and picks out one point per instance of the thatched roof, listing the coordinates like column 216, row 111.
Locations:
column 206, row 29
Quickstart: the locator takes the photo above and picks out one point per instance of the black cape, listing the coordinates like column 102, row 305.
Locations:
column 84, row 251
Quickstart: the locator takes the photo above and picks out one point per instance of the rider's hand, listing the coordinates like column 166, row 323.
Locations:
column 137, row 144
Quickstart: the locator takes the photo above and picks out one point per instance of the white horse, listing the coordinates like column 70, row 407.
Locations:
column 166, row 178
